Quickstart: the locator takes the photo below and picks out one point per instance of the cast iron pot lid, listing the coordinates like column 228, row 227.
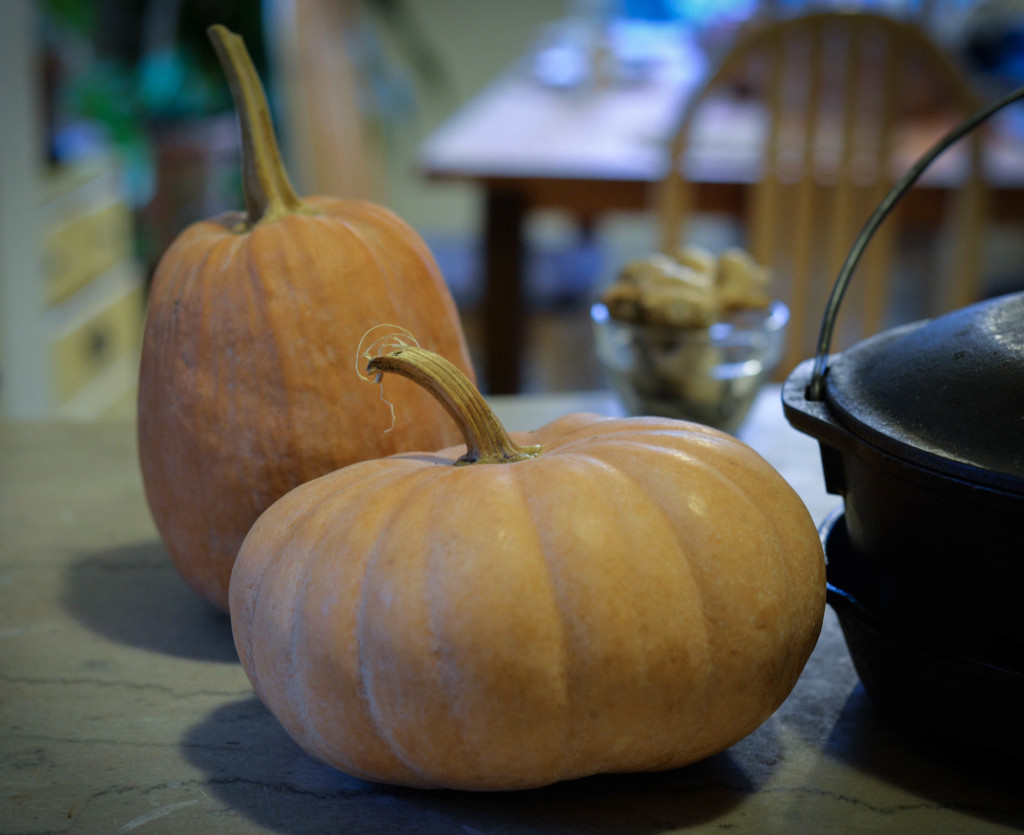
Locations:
column 947, row 394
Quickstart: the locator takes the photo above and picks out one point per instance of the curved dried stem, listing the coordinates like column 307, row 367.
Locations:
column 487, row 441
column 267, row 189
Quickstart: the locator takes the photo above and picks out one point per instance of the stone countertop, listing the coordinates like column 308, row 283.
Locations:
column 124, row 706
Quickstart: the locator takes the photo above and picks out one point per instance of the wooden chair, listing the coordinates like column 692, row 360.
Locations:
column 844, row 103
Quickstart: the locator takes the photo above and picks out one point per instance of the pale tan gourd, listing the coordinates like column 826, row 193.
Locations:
column 601, row 595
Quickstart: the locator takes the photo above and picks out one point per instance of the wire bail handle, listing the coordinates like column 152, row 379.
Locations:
column 816, row 387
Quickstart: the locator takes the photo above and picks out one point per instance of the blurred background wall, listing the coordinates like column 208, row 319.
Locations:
column 117, row 131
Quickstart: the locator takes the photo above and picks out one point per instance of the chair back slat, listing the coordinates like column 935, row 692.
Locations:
column 838, row 92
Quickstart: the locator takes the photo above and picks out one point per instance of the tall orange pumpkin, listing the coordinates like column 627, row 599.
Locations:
column 253, row 325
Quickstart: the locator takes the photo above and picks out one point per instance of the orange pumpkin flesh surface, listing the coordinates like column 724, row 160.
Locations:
column 627, row 595
column 253, row 322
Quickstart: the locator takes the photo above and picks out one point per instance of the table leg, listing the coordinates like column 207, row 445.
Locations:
column 504, row 297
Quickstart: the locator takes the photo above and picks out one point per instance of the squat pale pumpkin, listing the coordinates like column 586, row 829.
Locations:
column 622, row 595
column 253, row 321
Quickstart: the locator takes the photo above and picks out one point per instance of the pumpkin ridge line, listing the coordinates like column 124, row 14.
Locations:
column 256, row 390
column 182, row 278
column 439, row 657
column 361, row 487
column 423, row 254
column 774, row 520
column 386, row 265
column 267, row 568
column 223, row 366
column 743, row 490
column 267, row 316
column 245, row 637
column 680, row 751
column 409, row 480
column 204, row 376
column 180, row 288
column 381, row 266
column 296, row 655
column 548, row 559
column 664, row 439
column 163, row 353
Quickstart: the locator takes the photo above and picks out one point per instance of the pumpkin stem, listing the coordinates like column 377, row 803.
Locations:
column 487, row 441
column 268, row 192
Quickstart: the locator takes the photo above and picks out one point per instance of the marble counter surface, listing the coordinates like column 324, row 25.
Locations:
column 124, row 707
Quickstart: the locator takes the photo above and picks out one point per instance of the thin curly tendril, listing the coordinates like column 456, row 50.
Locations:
column 392, row 338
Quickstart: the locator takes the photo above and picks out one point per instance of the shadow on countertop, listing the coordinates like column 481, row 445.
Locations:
column 984, row 786
column 253, row 766
column 133, row 595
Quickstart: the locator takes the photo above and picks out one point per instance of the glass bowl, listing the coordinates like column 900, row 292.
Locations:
column 706, row 375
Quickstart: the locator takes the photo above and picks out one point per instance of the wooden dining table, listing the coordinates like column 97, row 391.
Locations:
column 124, row 707
column 597, row 148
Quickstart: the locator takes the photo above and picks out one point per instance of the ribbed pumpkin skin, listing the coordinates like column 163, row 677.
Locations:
column 248, row 385
column 642, row 595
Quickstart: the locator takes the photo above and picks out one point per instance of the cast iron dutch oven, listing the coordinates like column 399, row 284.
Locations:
column 921, row 430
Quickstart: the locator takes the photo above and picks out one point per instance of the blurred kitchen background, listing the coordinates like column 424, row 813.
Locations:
column 116, row 131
